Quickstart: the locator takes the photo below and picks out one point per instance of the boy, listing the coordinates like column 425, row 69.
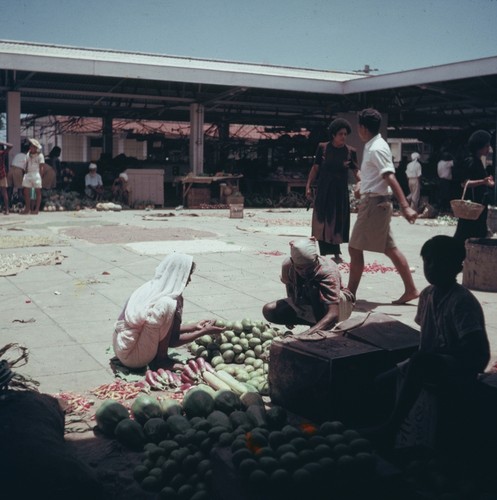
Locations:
column 372, row 228
column 454, row 347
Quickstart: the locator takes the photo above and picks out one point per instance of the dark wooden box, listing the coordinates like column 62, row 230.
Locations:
column 333, row 378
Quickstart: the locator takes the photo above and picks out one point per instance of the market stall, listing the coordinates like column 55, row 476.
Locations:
column 197, row 190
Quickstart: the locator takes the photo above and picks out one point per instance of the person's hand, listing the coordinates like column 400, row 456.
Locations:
column 308, row 194
column 490, row 181
column 357, row 190
column 409, row 214
column 209, row 327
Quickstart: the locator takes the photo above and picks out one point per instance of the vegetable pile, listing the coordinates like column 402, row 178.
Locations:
column 239, row 354
column 180, row 440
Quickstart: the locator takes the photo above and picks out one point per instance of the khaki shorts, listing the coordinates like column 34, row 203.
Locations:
column 372, row 228
column 3, row 182
column 15, row 176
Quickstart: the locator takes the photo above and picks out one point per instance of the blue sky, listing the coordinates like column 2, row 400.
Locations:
column 387, row 35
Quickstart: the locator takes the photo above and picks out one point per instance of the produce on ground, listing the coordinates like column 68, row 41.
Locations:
column 239, row 355
column 179, row 442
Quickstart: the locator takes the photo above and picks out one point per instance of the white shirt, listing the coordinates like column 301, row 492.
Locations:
column 376, row 161
column 413, row 169
column 19, row 160
column 33, row 163
column 93, row 180
column 444, row 169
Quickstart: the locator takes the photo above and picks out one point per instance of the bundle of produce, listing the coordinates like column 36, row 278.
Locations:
column 241, row 351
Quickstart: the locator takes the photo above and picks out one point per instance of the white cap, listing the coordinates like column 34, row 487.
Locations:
column 124, row 176
column 92, row 166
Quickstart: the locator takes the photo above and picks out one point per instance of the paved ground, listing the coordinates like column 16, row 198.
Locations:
column 64, row 313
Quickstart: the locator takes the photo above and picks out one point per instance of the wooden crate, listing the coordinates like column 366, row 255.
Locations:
column 333, row 378
column 236, row 211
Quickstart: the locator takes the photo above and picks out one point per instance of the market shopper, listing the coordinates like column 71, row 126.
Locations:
column 413, row 173
column 120, row 189
column 31, row 181
column 151, row 320
column 315, row 295
column 330, row 175
column 94, row 186
column 444, row 172
column 454, row 346
column 4, row 151
column 16, row 173
column 471, row 173
column 372, row 228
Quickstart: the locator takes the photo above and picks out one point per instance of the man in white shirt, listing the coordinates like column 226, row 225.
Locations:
column 413, row 173
column 372, row 228
column 94, row 187
column 444, row 171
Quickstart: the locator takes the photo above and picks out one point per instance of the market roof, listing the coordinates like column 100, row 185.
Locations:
column 63, row 80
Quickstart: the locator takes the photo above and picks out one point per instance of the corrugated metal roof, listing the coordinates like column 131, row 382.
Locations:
column 98, row 62
column 63, row 80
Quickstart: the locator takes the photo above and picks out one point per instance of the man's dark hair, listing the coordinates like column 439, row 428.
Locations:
column 371, row 119
column 338, row 124
column 447, row 249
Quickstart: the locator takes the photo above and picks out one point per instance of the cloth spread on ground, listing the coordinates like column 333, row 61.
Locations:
column 149, row 313
column 12, row 264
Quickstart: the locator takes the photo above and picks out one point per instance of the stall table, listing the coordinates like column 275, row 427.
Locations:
column 286, row 184
column 197, row 189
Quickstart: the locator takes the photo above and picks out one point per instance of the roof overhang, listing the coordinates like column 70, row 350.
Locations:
column 61, row 80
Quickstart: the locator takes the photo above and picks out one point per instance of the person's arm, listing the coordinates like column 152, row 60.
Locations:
column 189, row 333
column 407, row 212
column 311, row 179
column 487, row 181
column 327, row 322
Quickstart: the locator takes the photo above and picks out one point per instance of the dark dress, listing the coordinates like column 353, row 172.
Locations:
column 331, row 214
column 472, row 168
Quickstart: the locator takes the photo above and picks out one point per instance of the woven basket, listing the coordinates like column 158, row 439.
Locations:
column 466, row 209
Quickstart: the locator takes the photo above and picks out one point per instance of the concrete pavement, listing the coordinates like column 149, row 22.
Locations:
column 64, row 313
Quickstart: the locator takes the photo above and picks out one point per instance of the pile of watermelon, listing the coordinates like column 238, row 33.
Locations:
column 179, row 440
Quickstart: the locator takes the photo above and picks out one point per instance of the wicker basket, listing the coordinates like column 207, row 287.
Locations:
column 466, row 209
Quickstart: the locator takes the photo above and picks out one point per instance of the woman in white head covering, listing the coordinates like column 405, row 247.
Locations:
column 120, row 189
column 151, row 319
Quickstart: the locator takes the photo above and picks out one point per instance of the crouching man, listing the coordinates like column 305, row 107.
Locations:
column 315, row 295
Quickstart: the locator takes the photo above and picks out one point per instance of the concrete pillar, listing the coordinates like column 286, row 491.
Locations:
column 14, row 122
column 107, row 137
column 196, row 138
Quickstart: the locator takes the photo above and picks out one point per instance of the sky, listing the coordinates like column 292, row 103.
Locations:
column 387, row 35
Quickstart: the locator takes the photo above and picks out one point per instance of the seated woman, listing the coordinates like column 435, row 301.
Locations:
column 151, row 319
column 120, row 189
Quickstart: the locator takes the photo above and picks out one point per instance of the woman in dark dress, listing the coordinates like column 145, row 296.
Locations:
column 329, row 176
column 472, row 171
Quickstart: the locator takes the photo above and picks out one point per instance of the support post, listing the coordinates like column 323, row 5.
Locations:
column 14, row 121
column 197, row 138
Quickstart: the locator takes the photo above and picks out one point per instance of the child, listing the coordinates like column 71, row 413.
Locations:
column 454, row 347
column 32, row 178
column 6, row 147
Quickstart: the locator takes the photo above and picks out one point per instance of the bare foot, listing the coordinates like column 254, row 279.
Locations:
column 406, row 297
column 25, row 212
